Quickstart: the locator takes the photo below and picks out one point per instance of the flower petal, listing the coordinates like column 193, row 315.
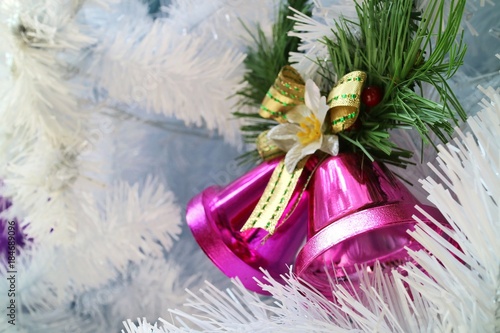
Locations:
column 312, row 95
column 322, row 110
column 293, row 157
column 283, row 132
column 311, row 148
column 330, row 144
column 298, row 113
column 284, row 135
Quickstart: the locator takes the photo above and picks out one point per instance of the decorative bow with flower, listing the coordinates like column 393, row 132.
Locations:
column 304, row 133
column 308, row 123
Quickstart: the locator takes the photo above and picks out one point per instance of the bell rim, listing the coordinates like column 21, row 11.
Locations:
column 210, row 240
column 327, row 238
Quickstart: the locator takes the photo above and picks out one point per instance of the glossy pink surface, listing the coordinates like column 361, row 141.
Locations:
column 359, row 213
column 216, row 215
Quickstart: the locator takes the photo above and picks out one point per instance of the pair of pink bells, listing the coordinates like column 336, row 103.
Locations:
column 353, row 212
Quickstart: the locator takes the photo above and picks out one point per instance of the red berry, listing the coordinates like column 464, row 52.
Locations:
column 371, row 96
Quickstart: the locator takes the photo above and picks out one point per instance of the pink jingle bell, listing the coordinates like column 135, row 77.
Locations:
column 359, row 213
column 216, row 216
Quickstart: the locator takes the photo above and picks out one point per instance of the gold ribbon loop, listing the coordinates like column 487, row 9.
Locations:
column 286, row 93
column 344, row 100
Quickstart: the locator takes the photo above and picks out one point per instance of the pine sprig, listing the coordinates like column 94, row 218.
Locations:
column 266, row 59
column 400, row 49
column 263, row 64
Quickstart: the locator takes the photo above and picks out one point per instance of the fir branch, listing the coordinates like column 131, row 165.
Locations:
column 269, row 55
column 399, row 49
column 263, row 63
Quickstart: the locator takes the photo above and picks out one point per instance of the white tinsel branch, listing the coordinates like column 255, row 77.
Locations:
column 181, row 65
column 467, row 279
column 311, row 32
column 40, row 100
column 121, row 230
column 43, row 120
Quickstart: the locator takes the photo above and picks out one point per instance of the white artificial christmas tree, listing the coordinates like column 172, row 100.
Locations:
column 114, row 113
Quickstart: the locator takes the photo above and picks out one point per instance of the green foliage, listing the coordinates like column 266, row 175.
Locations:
column 268, row 57
column 390, row 43
column 399, row 48
column 263, row 64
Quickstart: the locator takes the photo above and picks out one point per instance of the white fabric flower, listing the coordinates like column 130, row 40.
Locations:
column 303, row 134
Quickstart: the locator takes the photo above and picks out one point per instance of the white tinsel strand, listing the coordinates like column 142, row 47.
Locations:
column 311, row 32
column 142, row 326
column 236, row 310
column 166, row 288
column 225, row 20
column 48, row 188
column 465, row 284
column 40, row 183
column 381, row 305
column 40, row 100
column 122, row 230
column 148, row 287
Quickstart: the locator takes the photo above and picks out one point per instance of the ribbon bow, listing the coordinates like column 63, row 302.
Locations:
column 288, row 90
column 286, row 93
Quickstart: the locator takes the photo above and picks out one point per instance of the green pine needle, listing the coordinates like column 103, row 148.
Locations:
column 389, row 43
column 268, row 57
column 263, row 64
column 399, row 48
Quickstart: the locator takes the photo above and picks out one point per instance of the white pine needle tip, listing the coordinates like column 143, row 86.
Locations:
column 464, row 284
column 147, row 288
column 312, row 30
column 142, row 326
column 134, row 222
